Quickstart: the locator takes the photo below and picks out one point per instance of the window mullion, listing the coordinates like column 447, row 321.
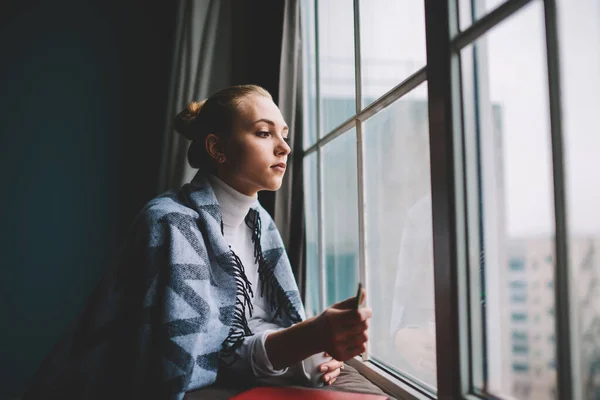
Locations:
column 321, row 222
column 486, row 22
column 448, row 200
column 362, row 257
column 567, row 349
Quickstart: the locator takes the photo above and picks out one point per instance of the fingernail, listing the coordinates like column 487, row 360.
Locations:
column 324, row 368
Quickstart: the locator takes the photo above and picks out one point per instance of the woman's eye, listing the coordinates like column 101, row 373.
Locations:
column 263, row 134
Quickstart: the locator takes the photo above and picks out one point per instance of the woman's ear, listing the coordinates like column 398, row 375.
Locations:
column 214, row 147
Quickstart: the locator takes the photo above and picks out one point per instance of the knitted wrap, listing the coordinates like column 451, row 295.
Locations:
column 173, row 309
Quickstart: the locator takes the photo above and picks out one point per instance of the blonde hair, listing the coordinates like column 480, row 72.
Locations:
column 214, row 115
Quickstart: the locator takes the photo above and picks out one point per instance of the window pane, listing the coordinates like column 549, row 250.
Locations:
column 385, row 60
column 313, row 276
column 464, row 14
column 340, row 206
column 482, row 8
column 399, row 237
column 517, row 206
column 336, row 62
column 309, row 76
column 579, row 39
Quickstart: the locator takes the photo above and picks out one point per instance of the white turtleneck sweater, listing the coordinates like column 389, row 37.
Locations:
column 234, row 208
column 253, row 355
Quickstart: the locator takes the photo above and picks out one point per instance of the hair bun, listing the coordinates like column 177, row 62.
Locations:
column 183, row 123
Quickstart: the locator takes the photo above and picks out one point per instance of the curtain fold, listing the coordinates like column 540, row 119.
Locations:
column 201, row 64
column 289, row 200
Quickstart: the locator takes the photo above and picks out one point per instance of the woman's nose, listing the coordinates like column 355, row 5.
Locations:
column 283, row 148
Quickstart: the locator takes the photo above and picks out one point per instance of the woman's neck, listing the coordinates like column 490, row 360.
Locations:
column 234, row 204
column 236, row 184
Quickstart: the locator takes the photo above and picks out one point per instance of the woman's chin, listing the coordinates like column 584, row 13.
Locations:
column 273, row 184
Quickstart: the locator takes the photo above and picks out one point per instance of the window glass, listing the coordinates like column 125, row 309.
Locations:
column 340, row 207
column 517, row 211
column 311, row 218
column 482, row 8
column 309, row 76
column 336, row 63
column 399, row 237
column 385, row 60
column 579, row 40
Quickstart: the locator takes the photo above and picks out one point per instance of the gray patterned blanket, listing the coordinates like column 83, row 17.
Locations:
column 173, row 310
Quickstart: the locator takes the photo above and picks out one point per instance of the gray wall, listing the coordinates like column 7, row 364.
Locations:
column 83, row 88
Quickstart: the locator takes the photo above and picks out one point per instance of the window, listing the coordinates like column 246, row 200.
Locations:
column 519, row 335
column 518, row 285
column 520, row 349
column 519, row 317
column 399, row 236
column 517, row 264
column 518, row 298
column 340, row 218
column 520, row 368
column 367, row 171
column 513, row 139
column 579, row 37
column 313, row 302
column 434, row 173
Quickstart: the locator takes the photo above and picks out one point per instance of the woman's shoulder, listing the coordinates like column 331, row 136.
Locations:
column 166, row 204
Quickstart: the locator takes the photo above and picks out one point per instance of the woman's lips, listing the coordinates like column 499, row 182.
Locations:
column 279, row 167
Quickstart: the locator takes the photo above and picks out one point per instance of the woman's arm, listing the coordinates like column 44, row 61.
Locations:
column 294, row 344
column 340, row 331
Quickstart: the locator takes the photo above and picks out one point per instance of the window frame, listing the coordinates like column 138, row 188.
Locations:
column 453, row 143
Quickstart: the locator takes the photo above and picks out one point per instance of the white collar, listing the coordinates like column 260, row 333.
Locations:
column 234, row 205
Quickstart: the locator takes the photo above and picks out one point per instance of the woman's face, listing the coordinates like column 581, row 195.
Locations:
column 256, row 152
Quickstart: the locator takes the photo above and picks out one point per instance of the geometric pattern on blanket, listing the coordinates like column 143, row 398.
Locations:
column 173, row 308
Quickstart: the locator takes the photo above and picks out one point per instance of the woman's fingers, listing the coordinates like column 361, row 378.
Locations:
column 348, row 319
column 355, row 329
column 330, row 365
column 355, row 350
column 331, row 376
column 350, row 302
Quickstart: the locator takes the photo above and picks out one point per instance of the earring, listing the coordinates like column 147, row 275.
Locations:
column 221, row 159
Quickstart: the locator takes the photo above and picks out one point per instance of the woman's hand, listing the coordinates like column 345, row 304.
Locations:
column 331, row 369
column 342, row 329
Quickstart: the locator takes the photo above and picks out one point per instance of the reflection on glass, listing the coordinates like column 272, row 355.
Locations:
column 579, row 39
column 340, row 207
column 336, row 62
column 309, row 77
column 399, row 237
column 517, row 206
column 385, row 60
column 313, row 277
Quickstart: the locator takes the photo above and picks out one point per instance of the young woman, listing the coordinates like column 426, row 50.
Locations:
column 204, row 287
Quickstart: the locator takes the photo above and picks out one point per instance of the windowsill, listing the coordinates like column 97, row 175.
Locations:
column 387, row 382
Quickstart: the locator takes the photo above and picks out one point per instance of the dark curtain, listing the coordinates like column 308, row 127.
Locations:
column 84, row 89
column 201, row 64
